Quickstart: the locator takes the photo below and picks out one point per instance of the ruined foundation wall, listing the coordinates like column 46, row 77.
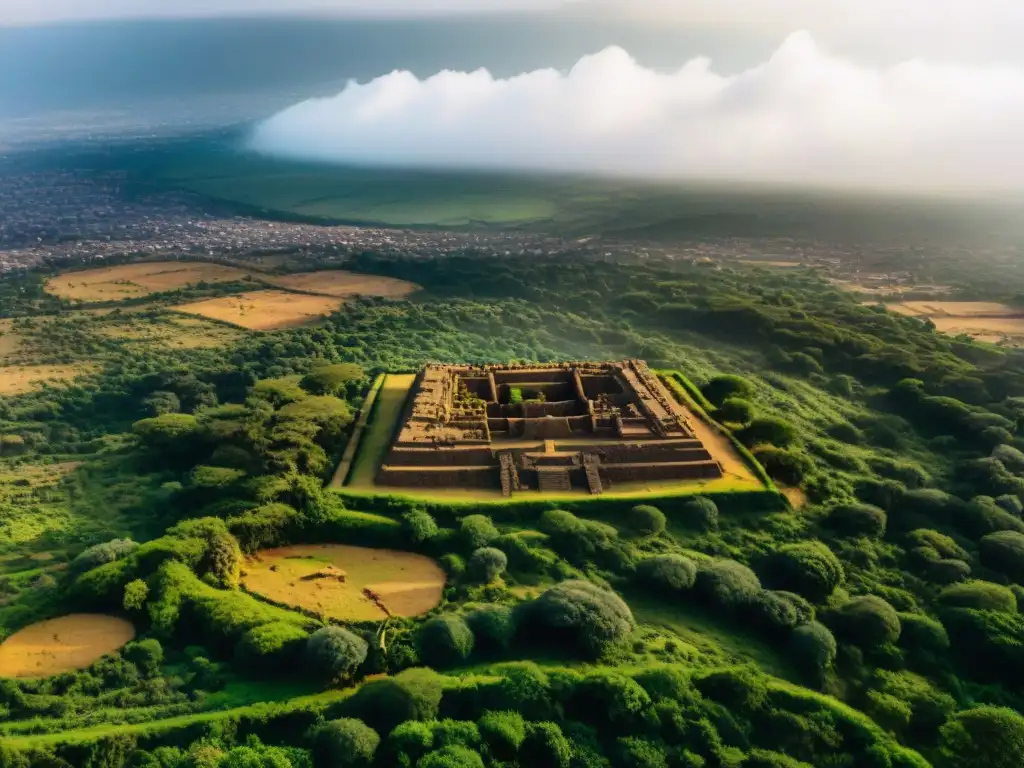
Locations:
column 454, row 477
column 441, row 457
column 633, row 473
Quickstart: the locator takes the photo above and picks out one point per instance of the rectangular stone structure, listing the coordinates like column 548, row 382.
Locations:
column 553, row 428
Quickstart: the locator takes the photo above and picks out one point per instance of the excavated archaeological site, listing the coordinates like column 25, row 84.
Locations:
column 547, row 428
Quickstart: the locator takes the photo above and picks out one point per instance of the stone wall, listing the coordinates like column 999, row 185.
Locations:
column 633, row 473
column 442, row 457
column 453, row 477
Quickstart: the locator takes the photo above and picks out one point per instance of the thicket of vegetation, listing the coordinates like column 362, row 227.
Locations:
column 876, row 626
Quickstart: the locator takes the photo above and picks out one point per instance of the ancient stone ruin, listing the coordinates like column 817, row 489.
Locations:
column 545, row 428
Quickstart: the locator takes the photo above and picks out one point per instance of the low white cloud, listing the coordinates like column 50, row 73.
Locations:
column 802, row 116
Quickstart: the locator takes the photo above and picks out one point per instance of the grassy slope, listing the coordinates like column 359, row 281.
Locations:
column 383, row 421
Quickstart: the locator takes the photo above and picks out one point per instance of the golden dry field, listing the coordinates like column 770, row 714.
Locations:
column 988, row 321
column 63, row 644
column 132, row 281
column 337, row 282
column 264, row 310
column 18, row 379
column 407, row 584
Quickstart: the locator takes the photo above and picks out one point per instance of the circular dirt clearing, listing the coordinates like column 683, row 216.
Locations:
column 346, row 583
column 58, row 645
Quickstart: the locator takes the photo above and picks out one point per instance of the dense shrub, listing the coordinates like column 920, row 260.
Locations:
column 610, row 700
column 525, row 688
column 345, row 742
column 858, row 520
column 789, row 467
column 453, row 565
column 979, row 595
column 335, row 653
column 1011, row 504
column 146, row 654
column 699, row 513
column 868, row 621
column 504, row 733
column 107, row 552
column 580, row 616
column 636, row 752
column 459, row 733
column 222, row 561
column 735, row 410
column 940, row 545
column 414, row 694
column 670, row 572
column 982, row 516
column 444, row 641
column 332, row 379
column 763, row 758
column 545, row 746
column 419, row 526
column 1004, row 552
column 727, row 583
column 775, row 432
column 739, row 689
column 477, row 531
column 409, row 741
column 986, row 736
column 272, row 646
column 808, row 568
column 493, row 627
column 451, row 757
column 721, row 388
column 135, row 594
column 646, row 520
column 922, row 634
column 814, row 647
column 487, row 564
column 778, row 612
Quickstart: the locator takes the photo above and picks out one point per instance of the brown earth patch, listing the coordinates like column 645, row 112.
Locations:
column 18, row 379
column 59, row 645
column 132, row 281
column 796, row 496
column 337, row 282
column 405, row 583
column 264, row 310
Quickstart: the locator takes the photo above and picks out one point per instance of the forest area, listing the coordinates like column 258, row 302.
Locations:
column 875, row 622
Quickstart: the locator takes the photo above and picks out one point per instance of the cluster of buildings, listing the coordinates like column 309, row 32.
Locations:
column 63, row 215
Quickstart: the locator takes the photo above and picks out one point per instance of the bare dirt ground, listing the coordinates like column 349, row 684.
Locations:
column 264, row 310
column 887, row 286
column 132, row 281
column 987, row 321
column 18, row 379
column 59, row 645
column 336, row 282
column 405, row 583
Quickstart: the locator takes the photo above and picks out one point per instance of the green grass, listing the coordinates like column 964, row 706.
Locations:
column 348, row 457
column 708, row 634
column 254, row 711
column 383, row 421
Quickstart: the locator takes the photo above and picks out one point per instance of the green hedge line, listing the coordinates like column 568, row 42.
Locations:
column 690, row 392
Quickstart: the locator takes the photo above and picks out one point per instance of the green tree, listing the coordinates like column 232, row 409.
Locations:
column 346, row 742
column 334, row 653
column 984, row 736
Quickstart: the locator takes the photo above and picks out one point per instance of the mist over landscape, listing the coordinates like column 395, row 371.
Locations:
column 802, row 116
